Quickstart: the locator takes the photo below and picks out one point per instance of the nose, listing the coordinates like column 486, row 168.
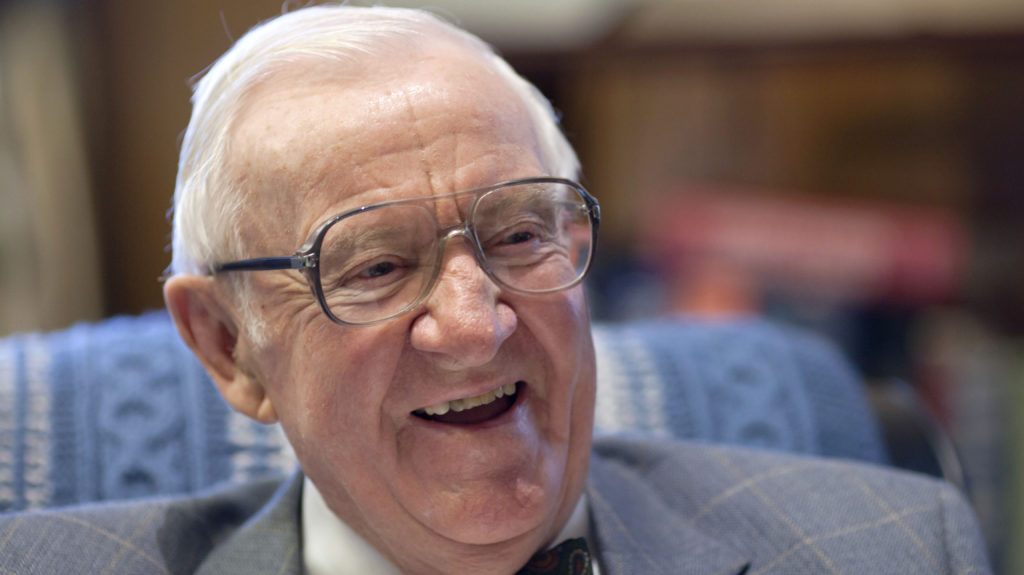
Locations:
column 464, row 322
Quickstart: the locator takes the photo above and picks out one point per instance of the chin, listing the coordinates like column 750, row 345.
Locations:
column 518, row 507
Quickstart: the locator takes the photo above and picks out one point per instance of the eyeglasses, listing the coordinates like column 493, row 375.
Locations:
column 373, row 263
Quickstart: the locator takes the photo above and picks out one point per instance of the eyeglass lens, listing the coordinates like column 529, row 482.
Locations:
column 532, row 237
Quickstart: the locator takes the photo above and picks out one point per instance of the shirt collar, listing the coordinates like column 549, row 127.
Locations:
column 330, row 547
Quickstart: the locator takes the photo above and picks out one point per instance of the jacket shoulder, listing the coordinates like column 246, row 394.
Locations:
column 787, row 511
column 165, row 535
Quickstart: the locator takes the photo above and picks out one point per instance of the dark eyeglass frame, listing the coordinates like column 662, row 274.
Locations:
column 307, row 258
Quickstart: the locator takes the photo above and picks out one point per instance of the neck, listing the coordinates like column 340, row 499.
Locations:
column 330, row 542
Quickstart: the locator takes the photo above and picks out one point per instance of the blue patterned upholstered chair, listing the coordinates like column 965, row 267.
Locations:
column 121, row 409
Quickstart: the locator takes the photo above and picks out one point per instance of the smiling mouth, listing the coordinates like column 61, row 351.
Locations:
column 476, row 409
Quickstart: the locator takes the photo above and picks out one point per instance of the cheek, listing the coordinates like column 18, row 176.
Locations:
column 562, row 325
column 580, row 357
column 332, row 383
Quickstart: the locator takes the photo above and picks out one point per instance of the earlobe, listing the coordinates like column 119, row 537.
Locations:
column 208, row 327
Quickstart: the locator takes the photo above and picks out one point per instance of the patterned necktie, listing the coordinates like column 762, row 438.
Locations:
column 570, row 557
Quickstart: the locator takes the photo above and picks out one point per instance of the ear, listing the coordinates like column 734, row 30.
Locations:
column 208, row 327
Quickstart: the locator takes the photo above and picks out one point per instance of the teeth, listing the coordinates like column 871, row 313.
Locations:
column 471, row 402
column 439, row 409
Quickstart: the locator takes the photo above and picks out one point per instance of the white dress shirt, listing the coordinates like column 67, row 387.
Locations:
column 330, row 547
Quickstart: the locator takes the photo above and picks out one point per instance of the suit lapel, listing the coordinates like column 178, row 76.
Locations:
column 271, row 537
column 637, row 533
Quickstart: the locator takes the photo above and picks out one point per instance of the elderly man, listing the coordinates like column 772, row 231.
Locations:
column 379, row 244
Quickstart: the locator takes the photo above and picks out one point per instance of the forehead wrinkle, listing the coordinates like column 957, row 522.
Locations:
column 379, row 157
column 277, row 168
column 441, row 105
column 444, row 166
column 410, row 93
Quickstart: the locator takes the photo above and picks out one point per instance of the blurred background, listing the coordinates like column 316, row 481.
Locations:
column 852, row 166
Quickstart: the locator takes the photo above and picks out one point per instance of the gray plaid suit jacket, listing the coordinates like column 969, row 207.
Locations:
column 657, row 508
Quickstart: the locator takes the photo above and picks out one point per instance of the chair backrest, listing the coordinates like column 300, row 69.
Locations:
column 120, row 408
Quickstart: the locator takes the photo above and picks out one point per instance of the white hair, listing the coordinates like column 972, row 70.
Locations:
column 208, row 207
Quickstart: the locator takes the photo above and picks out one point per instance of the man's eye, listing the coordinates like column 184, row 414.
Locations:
column 519, row 237
column 378, row 269
column 375, row 273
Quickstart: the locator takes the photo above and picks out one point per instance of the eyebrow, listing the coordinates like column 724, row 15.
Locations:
column 354, row 242
column 525, row 200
